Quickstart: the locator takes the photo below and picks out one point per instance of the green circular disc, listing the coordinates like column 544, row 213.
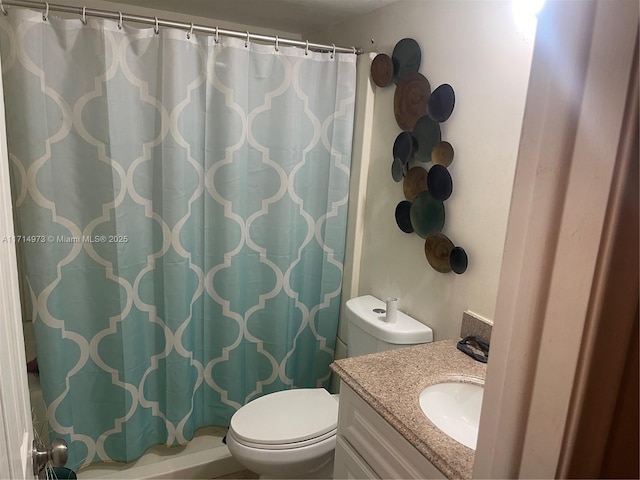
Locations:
column 406, row 58
column 427, row 215
column 397, row 170
column 427, row 134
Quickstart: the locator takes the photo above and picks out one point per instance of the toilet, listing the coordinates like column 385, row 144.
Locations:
column 292, row 433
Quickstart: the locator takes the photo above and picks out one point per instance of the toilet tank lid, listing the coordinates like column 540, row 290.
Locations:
column 405, row 331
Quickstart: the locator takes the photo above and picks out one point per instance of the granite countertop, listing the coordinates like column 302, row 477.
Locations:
column 391, row 382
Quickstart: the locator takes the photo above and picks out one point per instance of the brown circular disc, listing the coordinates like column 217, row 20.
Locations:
column 437, row 249
column 414, row 182
column 442, row 154
column 382, row 70
column 410, row 101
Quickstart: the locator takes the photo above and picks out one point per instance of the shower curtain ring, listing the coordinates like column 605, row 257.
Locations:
column 354, row 50
column 4, row 10
column 84, row 15
column 45, row 15
column 333, row 52
column 306, row 48
column 216, row 37
column 277, row 43
column 119, row 20
column 246, row 42
column 190, row 32
column 156, row 27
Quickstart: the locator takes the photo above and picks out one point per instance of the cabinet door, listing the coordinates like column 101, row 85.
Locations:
column 347, row 464
column 380, row 445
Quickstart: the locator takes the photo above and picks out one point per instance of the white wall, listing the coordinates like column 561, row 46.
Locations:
column 476, row 47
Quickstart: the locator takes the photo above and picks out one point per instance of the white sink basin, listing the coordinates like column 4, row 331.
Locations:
column 454, row 408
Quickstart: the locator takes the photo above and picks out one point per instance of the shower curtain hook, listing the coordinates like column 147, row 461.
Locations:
column 119, row 20
column 84, row 15
column 156, row 28
column 4, row 10
column 190, row 32
column 333, row 52
column 216, row 37
column 354, row 50
column 246, row 42
column 277, row 43
column 45, row 15
column 306, row 48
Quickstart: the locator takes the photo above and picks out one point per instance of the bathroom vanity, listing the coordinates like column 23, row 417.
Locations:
column 382, row 429
column 368, row 447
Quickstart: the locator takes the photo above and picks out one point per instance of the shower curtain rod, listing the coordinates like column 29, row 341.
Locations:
column 84, row 12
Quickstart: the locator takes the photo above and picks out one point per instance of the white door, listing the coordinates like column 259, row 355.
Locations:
column 16, row 429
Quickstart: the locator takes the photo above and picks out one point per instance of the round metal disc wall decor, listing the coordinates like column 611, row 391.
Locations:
column 420, row 157
column 441, row 103
column 439, row 183
column 415, row 182
column 406, row 58
column 442, row 154
column 397, row 170
column 410, row 100
column 403, row 147
column 426, row 134
column 427, row 214
column 402, row 216
column 382, row 70
column 458, row 259
column 437, row 249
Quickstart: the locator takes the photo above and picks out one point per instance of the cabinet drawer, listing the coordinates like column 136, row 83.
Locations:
column 387, row 452
column 347, row 464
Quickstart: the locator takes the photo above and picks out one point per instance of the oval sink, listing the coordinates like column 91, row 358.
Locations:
column 454, row 408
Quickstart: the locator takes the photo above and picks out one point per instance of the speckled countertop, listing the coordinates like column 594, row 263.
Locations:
column 391, row 383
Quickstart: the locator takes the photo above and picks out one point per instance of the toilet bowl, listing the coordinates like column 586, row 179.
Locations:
column 288, row 434
column 292, row 434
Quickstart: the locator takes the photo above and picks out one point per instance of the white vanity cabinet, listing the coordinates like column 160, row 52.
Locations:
column 369, row 447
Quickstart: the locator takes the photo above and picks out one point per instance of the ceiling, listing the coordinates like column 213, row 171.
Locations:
column 293, row 16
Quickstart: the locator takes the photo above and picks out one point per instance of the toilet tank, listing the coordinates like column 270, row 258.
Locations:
column 369, row 332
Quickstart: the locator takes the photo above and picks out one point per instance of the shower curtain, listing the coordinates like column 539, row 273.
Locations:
column 181, row 205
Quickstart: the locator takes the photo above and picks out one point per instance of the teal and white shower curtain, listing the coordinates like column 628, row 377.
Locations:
column 182, row 210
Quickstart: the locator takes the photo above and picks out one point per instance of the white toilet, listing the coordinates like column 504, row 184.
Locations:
column 292, row 434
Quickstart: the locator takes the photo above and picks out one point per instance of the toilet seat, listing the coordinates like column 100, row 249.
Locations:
column 284, row 446
column 286, row 420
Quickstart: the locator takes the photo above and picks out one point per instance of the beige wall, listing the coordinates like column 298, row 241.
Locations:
column 476, row 47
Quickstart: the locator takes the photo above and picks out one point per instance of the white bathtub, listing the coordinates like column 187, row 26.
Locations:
column 205, row 457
